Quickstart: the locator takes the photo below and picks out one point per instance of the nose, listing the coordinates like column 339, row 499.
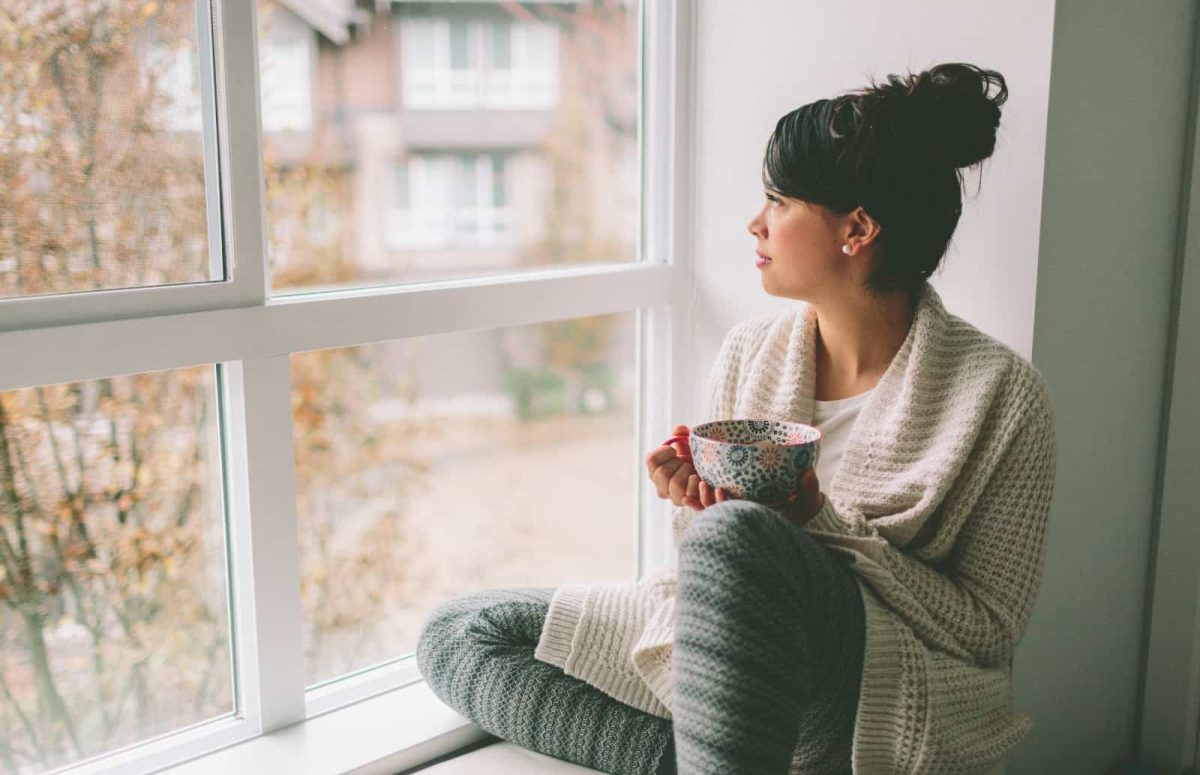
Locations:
column 755, row 224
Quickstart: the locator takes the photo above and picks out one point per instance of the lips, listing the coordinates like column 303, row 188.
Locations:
column 761, row 257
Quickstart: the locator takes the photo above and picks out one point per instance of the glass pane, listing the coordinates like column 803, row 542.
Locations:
column 114, row 625
column 402, row 199
column 501, row 45
column 458, row 44
column 432, row 466
column 499, row 197
column 286, row 84
column 468, row 183
column 552, row 88
column 101, row 149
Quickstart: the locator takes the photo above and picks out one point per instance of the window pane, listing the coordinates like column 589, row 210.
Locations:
column 501, row 45
column 432, row 466
column 287, row 82
column 499, row 197
column 402, row 199
column 552, row 89
column 114, row 625
column 101, row 150
column 458, row 44
column 468, row 183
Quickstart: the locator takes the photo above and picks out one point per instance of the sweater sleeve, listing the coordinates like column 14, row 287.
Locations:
column 979, row 607
column 720, row 393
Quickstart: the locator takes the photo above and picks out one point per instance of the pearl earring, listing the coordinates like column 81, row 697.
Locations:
column 846, row 249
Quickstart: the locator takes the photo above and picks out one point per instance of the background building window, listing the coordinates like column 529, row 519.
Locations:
column 450, row 200
column 473, row 63
column 287, row 84
column 286, row 62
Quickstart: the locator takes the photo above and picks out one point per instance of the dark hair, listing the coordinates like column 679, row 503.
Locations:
column 895, row 149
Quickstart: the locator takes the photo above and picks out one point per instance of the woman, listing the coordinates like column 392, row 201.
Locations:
column 867, row 627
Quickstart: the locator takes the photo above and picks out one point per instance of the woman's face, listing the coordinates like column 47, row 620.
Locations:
column 802, row 241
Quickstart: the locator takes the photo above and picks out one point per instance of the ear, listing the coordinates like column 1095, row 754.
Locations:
column 865, row 227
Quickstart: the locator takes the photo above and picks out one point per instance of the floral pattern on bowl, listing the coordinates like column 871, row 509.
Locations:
column 757, row 460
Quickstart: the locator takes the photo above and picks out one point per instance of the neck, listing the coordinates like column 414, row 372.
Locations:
column 858, row 335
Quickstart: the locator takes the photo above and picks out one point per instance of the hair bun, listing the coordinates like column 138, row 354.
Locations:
column 945, row 114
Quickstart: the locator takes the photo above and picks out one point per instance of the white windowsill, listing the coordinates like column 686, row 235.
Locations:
column 385, row 734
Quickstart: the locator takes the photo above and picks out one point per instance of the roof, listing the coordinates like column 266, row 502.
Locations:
column 332, row 18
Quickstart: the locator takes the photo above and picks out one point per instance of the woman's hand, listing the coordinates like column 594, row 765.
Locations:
column 672, row 473
column 708, row 496
column 675, row 478
column 803, row 506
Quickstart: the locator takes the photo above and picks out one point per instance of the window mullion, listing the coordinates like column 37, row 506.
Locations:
column 240, row 136
column 667, row 395
column 205, row 31
column 263, row 536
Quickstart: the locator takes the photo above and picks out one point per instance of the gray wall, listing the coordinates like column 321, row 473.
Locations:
column 1075, row 219
column 1110, row 215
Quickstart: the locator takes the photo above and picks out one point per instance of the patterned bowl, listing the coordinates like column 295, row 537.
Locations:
column 757, row 460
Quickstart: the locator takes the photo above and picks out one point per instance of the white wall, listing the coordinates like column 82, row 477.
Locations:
column 759, row 60
column 1103, row 228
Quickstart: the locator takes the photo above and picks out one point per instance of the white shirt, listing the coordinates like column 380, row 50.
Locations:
column 835, row 419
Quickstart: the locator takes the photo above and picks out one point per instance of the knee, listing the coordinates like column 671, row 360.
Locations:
column 479, row 622
column 443, row 631
column 730, row 526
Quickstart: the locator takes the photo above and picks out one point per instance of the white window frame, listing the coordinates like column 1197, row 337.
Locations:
column 251, row 335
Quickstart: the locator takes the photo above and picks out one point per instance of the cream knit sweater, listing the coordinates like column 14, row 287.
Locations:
column 941, row 500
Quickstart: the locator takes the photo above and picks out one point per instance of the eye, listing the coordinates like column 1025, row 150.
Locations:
column 774, row 198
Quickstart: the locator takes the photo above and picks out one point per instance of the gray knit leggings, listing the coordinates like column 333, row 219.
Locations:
column 766, row 664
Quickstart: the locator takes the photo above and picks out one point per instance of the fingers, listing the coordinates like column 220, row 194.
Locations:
column 660, row 455
column 693, row 499
column 662, row 476
column 710, row 495
column 679, row 484
column 670, row 470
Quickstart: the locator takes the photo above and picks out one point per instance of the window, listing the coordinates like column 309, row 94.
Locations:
column 286, row 48
column 113, row 599
column 267, row 383
column 476, row 184
column 454, row 63
column 432, row 481
column 455, row 200
column 101, row 190
column 178, row 81
column 286, row 55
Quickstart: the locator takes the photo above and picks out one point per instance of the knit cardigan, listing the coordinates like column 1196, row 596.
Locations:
column 941, row 502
